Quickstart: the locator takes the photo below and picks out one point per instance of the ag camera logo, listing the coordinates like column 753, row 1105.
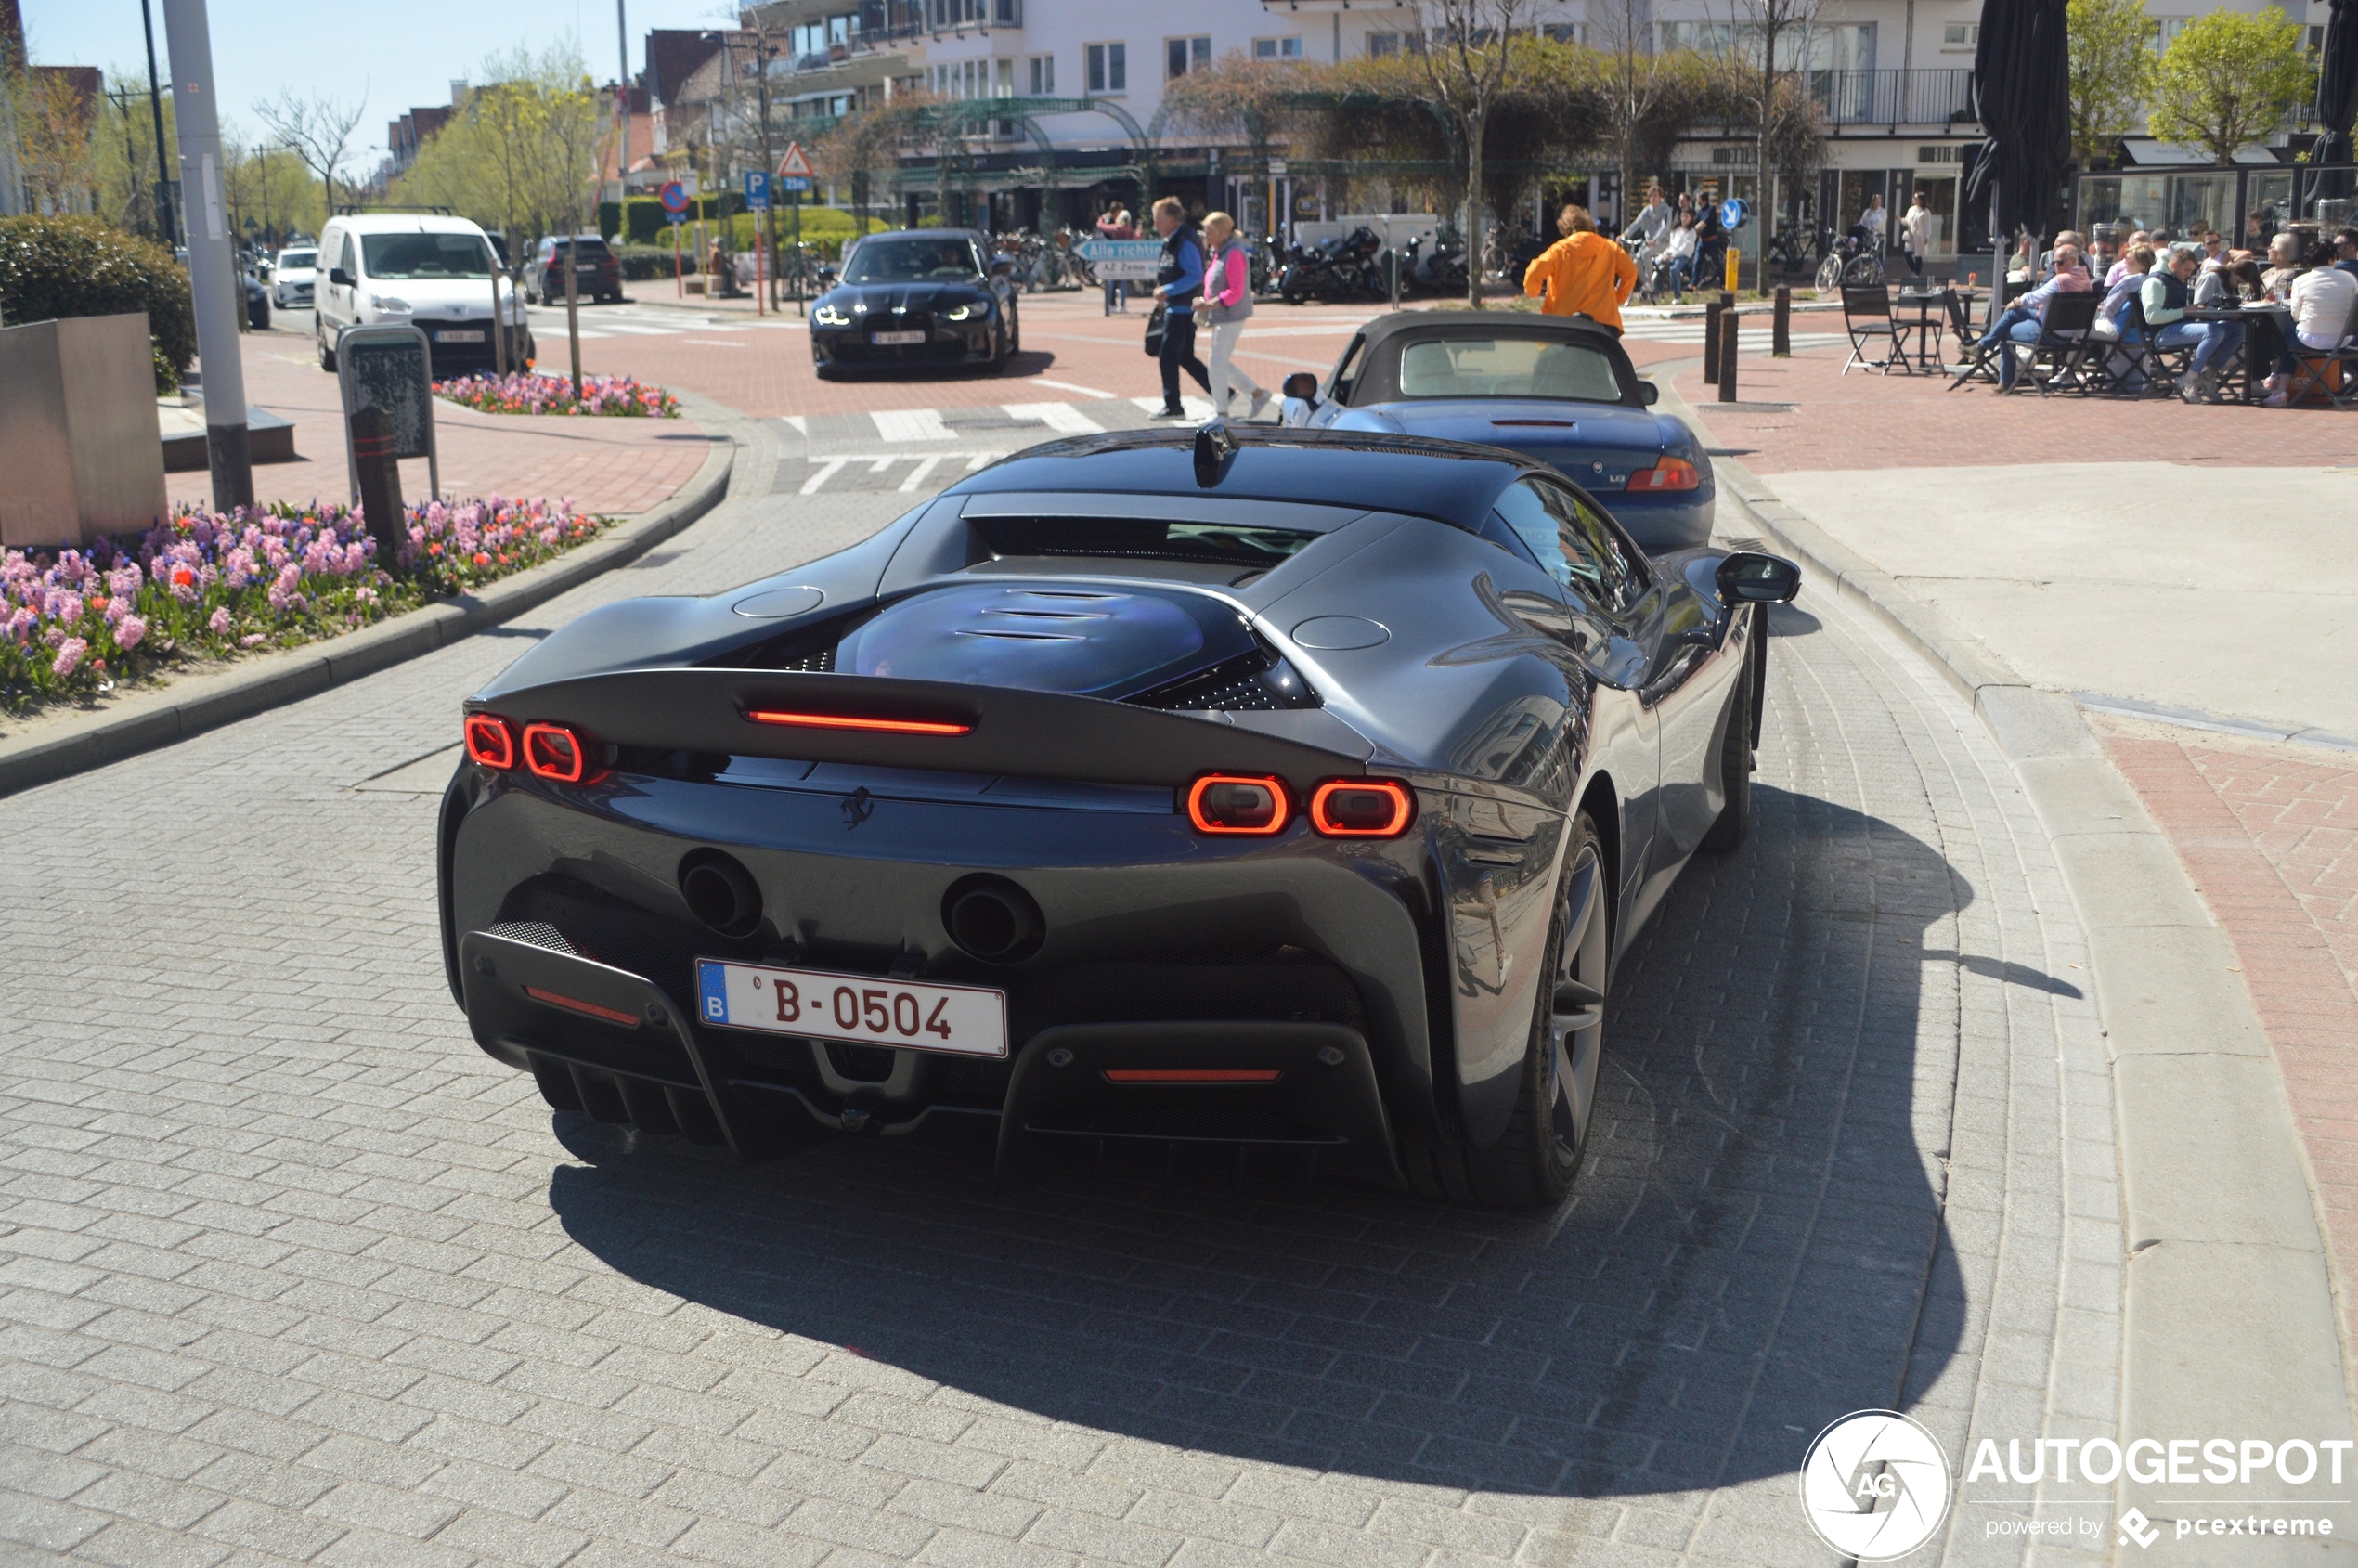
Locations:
column 1875, row 1485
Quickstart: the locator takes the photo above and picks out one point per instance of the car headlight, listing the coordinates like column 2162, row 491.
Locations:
column 965, row 312
column 828, row 315
column 389, row 303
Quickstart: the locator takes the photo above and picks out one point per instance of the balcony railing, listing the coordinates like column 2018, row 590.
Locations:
column 1892, row 98
column 911, row 18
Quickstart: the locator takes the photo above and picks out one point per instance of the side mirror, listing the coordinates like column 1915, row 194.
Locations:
column 1649, row 394
column 1750, row 578
column 340, row 277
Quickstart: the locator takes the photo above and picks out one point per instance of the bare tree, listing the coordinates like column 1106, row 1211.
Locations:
column 1778, row 29
column 317, row 129
column 1636, row 79
column 1466, row 52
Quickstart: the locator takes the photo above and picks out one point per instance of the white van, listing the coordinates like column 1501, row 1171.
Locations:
column 434, row 272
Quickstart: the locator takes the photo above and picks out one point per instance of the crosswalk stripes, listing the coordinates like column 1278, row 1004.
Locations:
column 651, row 321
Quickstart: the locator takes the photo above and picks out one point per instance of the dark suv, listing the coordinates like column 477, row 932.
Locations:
column 597, row 275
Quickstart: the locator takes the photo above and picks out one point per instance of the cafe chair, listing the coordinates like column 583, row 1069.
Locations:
column 2326, row 374
column 2057, row 355
column 1866, row 316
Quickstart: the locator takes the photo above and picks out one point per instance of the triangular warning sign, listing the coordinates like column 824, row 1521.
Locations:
column 794, row 165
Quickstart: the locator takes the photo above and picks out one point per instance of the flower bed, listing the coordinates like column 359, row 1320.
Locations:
column 536, row 394
column 75, row 623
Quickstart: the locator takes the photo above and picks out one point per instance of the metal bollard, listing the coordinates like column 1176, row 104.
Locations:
column 1781, row 329
column 1712, row 311
column 1728, row 358
column 380, row 474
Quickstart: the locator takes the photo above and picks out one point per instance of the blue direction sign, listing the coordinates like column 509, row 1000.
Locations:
column 793, row 185
column 1117, row 261
column 758, row 189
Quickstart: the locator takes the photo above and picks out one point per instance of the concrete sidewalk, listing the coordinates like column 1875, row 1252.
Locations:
column 617, row 467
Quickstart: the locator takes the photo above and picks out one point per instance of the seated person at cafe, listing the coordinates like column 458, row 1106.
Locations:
column 2163, row 299
column 2321, row 299
column 2284, row 265
column 2346, row 250
column 2120, row 264
column 2134, row 263
column 2020, row 323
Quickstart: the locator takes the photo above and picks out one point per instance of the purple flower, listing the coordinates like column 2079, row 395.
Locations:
column 128, row 634
column 70, row 654
column 219, row 624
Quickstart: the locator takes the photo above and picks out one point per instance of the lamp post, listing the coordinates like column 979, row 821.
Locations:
column 213, row 273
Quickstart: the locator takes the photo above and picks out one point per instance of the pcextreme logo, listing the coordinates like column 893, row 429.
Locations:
column 1874, row 1485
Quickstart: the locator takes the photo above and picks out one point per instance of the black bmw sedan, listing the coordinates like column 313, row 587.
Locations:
column 918, row 297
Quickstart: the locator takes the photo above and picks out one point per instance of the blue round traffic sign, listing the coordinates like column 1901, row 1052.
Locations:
column 674, row 197
column 1733, row 212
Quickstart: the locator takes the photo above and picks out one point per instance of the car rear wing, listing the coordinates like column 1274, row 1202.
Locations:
column 939, row 725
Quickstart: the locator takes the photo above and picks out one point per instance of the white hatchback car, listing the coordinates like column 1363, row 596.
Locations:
column 438, row 274
column 290, row 278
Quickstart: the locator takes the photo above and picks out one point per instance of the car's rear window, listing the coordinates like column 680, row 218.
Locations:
column 298, row 258
column 1506, row 367
column 425, row 255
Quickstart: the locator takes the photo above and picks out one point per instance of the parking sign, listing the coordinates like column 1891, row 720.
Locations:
column 757, row 188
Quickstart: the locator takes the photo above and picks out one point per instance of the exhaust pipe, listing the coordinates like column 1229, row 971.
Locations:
column 720, row 892
column 992, row 919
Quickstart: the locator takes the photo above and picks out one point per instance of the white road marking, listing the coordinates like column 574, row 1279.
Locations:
column 880, row 464
column 801, row 422
column 912, row 424
column 1055, row 416
column 1198, row 408
column 711, row 343
column 1068, row 386
column 917, row 474
column 820, row 475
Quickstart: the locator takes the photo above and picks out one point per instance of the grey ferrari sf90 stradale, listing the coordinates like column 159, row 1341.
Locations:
column 1277, row 788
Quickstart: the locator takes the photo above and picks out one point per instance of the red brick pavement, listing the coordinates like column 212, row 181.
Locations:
column 613, row 466
column 1868, row 421
column 1072, row 353
column 2270, row 835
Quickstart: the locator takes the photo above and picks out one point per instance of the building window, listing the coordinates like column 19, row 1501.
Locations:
column 1182, row 55
column 2164, row 31
column 1277, row 48
column 1560, row 32
column 1382, row 46
column 1109, row 67
column 1044, row 76
column 1960, row 35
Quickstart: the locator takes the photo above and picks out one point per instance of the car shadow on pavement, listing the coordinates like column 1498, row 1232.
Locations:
column 1753, row 1250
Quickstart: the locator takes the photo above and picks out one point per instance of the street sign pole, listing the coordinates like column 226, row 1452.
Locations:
column 212, row 272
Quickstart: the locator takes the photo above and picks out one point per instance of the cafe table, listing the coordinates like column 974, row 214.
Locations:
column 2266, row 324
column 1924, row 312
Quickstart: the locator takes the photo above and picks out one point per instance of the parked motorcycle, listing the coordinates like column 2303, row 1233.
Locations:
column 1340, row 268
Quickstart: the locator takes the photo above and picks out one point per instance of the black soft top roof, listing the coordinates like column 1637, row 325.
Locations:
column 1486, row 324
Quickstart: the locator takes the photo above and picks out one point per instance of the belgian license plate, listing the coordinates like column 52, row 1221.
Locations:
column 861, row 1009
column 891, row 339
column 468, row 335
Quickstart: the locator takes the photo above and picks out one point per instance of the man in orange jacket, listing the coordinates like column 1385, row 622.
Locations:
column 1582, row 274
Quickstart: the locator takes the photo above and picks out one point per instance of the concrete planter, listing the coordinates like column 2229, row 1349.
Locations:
column 80, row 439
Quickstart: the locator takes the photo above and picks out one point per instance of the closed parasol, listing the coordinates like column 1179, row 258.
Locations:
column 2337, row 85
column 2021, row 93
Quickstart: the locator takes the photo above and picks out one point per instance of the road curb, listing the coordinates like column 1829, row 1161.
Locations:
column 194, row 703
column 2229, row 1301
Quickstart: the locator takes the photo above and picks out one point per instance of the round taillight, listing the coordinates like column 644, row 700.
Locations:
column 556, row 752
column 490, row 743
column 1234, row 803
column 1362, row 808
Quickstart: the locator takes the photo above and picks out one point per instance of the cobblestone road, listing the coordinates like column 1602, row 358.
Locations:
column 289, row 1271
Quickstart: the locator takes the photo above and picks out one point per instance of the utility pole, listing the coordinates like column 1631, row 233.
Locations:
column 622, row 121
column 769, row 163
column 155, row 106
column 212, row 272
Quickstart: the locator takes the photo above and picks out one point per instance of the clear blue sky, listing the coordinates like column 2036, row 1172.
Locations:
column 397, row 54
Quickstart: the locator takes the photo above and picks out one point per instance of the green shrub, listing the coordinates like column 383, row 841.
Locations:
column 51, row 268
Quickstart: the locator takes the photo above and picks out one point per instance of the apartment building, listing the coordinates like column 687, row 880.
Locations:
column 1892, row 79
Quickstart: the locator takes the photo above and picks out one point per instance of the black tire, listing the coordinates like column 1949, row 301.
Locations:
column 1533, row 1164
column 326, row 355
column 1726, row 833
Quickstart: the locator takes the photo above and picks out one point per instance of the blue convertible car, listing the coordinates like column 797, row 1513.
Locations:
column 1555, row 388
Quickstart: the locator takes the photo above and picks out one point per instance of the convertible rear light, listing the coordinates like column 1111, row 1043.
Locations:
column 1668, row 473
column 854, row 722
column 1362, row 808
column 1230, row 803
column 557, row 752
column 1191, row 1075
column 490, row 743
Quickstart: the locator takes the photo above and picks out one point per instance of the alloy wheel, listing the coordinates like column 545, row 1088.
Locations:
column 1577, row 1027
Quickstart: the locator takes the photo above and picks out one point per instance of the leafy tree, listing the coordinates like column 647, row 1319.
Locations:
column 2112, row 69
column 863, row 149
column 53, row 268
column 1467, row 58
column 2228, row 80
column 1239, row 98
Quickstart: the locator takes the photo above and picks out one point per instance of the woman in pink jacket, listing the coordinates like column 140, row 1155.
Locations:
column 1227, row 300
